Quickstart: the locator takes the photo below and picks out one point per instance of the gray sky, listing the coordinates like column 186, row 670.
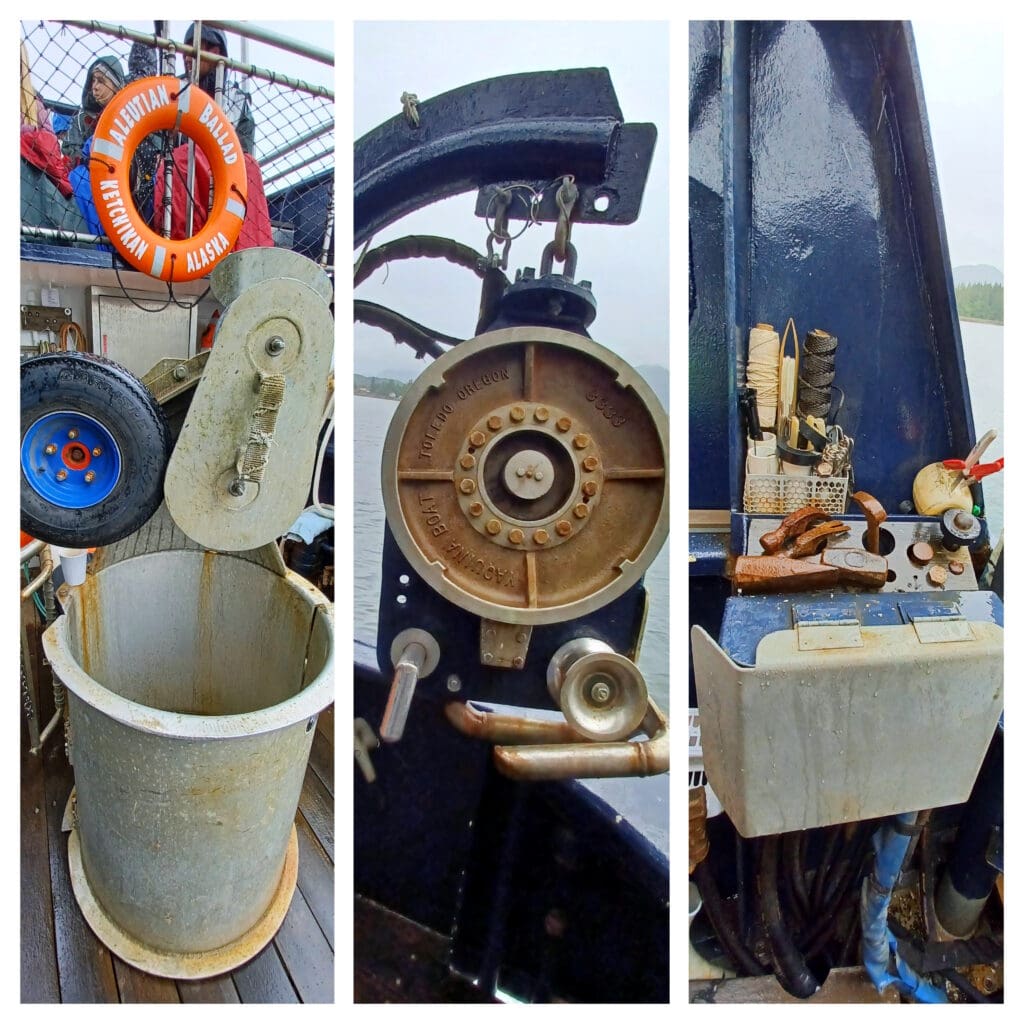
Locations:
column 627, row 265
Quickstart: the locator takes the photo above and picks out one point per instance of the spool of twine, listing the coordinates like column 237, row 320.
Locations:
column 817, row 372
column 763, row 371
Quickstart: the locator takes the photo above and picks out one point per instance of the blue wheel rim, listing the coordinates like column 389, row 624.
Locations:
column 60, row 462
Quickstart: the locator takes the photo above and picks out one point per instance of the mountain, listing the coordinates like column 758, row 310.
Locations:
column 977, row 273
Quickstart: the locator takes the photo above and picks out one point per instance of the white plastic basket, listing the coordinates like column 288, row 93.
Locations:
column 780, row 494
column 698, row 777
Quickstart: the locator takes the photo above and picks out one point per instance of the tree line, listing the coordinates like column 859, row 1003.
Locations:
column 980, row 301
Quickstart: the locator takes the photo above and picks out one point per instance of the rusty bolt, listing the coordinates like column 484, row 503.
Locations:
column 922, row 552
column 467, row 461
column 475, row 508
column 520, row 638
column 517, row 414
column 494, row 422
column 563, row 527
column 541, row 414
column 540, row 537
column 564, row 424
column 180, row 372
column 581, row 441
column 590, row 463
column 518, row 662
column 97, row 451
column 937, row 575
column 90, row 476
column 580, row 511
column 467, row 486
column 488, row 657
column 493, row 527
column 62, row 474
column 515, row 536
column 51, row 449
column 956, row 568
column 477, row 438
column 72, row 434
column 590, row 488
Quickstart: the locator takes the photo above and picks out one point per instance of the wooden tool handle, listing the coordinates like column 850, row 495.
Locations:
column 809, row 543
column 794, row 524
column 874, row 514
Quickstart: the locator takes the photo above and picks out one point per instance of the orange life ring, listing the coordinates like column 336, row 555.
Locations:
column 160, row 104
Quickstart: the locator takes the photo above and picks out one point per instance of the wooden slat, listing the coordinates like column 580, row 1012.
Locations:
column 306, row 953
column 210, row 990
column 39, row 980
column 321, row 760
column 84, row 964
column 316, row 878
column 264, row 979
column 136, row 987
column 317, row 807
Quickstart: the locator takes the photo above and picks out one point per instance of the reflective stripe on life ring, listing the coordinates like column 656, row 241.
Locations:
column 153, row 105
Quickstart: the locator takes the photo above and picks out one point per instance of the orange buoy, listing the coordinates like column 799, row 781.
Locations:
column 161, row 104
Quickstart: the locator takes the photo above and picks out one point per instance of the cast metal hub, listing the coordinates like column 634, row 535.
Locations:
column 524, row 475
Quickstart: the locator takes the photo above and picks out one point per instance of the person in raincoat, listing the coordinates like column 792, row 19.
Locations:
column 104, row 78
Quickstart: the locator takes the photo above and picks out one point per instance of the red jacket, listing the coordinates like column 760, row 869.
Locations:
column 41, row 148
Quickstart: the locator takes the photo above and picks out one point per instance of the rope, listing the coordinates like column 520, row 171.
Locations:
column 763, row 371
column 262, row 425
column 65, row 333
column 417, row 246
column 818, row 372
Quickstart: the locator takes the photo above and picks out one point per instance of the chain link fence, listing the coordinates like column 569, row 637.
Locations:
column 284, row 120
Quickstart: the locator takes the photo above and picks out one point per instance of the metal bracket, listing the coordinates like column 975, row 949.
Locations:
column 942, row 629
column 503, row 644
column 828, row 635
column 170, row 377
column 44, row 318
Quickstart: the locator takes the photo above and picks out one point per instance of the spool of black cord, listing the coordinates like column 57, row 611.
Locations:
column 817, row 372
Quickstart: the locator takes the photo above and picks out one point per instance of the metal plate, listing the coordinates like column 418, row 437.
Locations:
column 531, row 399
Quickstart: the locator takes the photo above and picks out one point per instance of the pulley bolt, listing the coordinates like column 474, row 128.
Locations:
column 580, row 511
column 563, row 527
column 590, row 488
column 454, row 684
column 97, row 451
column 493, row 527
column 477, row 438
column 180, row 373
column 600, row 693
column 90, row 476
column 51, row 449
column 540, row 537
column 275, row 346
column 62, row 474
column 590, row 463
column 494, row 422
column 475, row 508
column 467, row 486
column 541, row 414
column 515, row 536
column 72, row 434
column 467, row 461
column 564, row 424
column 517, row 414
column 237, row 488
column 521, row 472
column 580, row 441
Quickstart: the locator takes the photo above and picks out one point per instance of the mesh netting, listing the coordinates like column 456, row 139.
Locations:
column 286, row 125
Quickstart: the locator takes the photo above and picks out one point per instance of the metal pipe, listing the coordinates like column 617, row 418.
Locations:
column 190, row 173
column 403, row 686
column 45, row 572
column 511, row 729
column 47, row 732
column 312, row 136
column 249, row 70
column 323, row 155
column 328, row 229
column 247, row 30
column 31, row 549
column 63, row 236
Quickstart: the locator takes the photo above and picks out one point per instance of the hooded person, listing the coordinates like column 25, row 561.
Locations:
column 104, row 79
column 234, row 100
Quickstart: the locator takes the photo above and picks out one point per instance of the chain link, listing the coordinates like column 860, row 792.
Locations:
column 565, row 198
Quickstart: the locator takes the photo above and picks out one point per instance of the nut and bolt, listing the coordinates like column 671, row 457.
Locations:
column 541, row 414
column 180, row 372
column 467, row 486
column 62, row 474
column 563, row 527
column 564, row 424
column 467, row 461
column 72, row 434
column 956, row 568
column 518, row 662
column 51, row 449
column 580, row 511
column 454, row 684
column 517, row 414
column 600, row 693
column 90, row 476
column 493, row 527
column 237, row 487
column 475, row 508
column 515, row 536
column 97, row 451
column 580, row 441
column 520, row 638
column 275, row 346
column 590, row 463
column 494, row 422
column 590, row 488
column 477, row 438
column 488, row 657
column 540, row 537
column 937, row 575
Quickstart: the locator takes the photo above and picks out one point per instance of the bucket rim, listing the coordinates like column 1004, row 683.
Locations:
column 313, row 698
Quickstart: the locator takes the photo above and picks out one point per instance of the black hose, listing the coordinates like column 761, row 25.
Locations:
column 826, row 868
column 741, row 957
column 790, row 968
column 792, row 848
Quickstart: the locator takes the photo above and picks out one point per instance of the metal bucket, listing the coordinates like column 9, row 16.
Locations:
column 194, row 681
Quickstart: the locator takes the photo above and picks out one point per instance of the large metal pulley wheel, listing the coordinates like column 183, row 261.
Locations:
column 525, row 475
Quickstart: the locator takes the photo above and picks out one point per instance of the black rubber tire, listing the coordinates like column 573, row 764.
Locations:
column 100, row 388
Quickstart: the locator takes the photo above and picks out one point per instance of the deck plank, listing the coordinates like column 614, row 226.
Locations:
column 316, row 878
column 40, row 982
column 317, row 807
column 136, row 987
column 321, row 760
column 85, row 966
column 306, row 953
column 210, row 990
column 264, row 979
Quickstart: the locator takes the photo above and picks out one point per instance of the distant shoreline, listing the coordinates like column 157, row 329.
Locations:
column 370, row 394
column 972, row 320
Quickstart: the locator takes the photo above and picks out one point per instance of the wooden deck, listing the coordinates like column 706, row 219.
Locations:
column 61, row 959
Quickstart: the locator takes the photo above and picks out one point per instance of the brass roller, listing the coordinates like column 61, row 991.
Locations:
column 525, row 475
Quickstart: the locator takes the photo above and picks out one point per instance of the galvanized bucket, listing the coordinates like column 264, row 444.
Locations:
column 194, row 680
